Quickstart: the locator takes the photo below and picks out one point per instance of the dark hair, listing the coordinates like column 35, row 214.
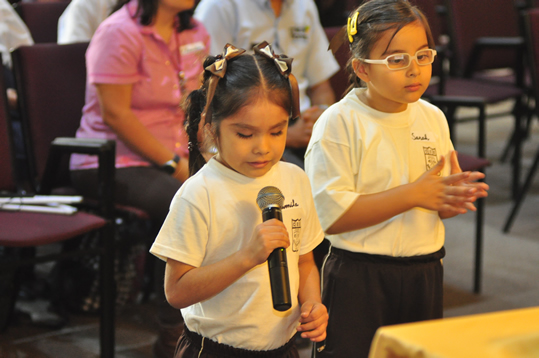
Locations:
column 147, row 9
column 374, row 18
column 248, row 77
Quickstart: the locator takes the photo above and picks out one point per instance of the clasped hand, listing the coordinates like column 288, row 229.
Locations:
column 453, row 194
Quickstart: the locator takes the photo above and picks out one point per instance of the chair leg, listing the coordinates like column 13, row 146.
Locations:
column 520, row 134
column 108, row 294
column 9, row 289
column 479, row 245
column 521, row 194
column 508, row 147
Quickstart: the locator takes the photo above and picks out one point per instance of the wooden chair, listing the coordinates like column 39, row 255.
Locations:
column 532, row 41
column 41, row 18
column 23, row 230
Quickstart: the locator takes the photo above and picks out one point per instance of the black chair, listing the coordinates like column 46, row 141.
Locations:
column 477, row 45
column 532, row 41
column 22, row 230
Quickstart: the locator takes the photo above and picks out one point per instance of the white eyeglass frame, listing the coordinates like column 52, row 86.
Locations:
column 414, row 57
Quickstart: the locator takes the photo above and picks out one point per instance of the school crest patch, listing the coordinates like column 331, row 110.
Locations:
column 431, row 158
column 296, row 231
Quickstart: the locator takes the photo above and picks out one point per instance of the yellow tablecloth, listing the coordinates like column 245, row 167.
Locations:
column 505, row 334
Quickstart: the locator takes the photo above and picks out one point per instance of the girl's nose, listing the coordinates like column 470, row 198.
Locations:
column 261, row 146
column 414, row 68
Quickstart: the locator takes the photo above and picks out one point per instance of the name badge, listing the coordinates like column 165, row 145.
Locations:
column 192, row 47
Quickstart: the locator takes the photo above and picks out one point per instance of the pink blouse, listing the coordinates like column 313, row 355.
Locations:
column 124, row 52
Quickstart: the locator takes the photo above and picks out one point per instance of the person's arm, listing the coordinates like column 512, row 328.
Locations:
column 430, row 191
column 115, row 103
column 299, row 133
column 321, row 94
column 314, row 316
column 186, row 285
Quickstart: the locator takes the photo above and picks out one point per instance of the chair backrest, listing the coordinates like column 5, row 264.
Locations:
column 7, row 177
column 471, row 20
column 340, row 81
column 532, row 40
column 51, row 83
column 436, row 23
column 41, row 18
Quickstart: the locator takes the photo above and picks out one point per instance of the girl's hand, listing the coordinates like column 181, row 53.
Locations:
column 462, row 187
column 313, row 321
column 267, row 237
column 434, row 192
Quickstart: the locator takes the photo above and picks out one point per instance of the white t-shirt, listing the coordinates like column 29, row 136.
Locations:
column 13, row 32
column 297, row 32
column 81, row 18
column 212, row 216
column 355, row 150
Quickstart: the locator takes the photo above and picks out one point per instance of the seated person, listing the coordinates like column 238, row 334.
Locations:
column 140, row 67
column 292, row 27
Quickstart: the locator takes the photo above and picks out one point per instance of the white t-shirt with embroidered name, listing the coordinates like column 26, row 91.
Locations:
column 214, row 215
column 356, row 150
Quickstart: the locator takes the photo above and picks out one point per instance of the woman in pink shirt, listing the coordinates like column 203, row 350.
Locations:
column 142, row 61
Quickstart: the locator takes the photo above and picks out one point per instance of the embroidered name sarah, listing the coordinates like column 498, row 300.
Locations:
column 421, row 137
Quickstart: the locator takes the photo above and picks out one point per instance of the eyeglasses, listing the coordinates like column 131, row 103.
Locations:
column 400, row 61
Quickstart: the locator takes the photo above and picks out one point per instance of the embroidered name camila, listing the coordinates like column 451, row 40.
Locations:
column 291, row 205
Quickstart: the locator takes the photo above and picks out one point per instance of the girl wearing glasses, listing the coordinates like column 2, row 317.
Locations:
column 384, row 173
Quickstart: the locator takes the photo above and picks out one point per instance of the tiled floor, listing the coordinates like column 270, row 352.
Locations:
column 509, row 271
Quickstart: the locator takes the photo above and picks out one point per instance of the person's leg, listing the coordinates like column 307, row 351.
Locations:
column 422, row 297
column 151, row 190
column 146, row 188
column 359, row 297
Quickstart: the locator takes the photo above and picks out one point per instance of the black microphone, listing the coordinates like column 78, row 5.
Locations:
column 270, row 200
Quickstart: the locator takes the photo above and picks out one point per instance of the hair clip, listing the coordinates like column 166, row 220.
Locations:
column 283, row 62
column 351, row 27
column 284, row 65
column 218, row 70
column 346, row 31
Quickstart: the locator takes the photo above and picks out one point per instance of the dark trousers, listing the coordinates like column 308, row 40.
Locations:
column 146, row 188
column 151, row 190
column 193, row 345
column 364, row 292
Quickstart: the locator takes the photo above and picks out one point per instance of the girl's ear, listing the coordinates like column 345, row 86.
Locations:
column 360, row 70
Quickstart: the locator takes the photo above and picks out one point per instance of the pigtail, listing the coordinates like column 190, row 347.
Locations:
column 193, row 108
column 194, row 104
